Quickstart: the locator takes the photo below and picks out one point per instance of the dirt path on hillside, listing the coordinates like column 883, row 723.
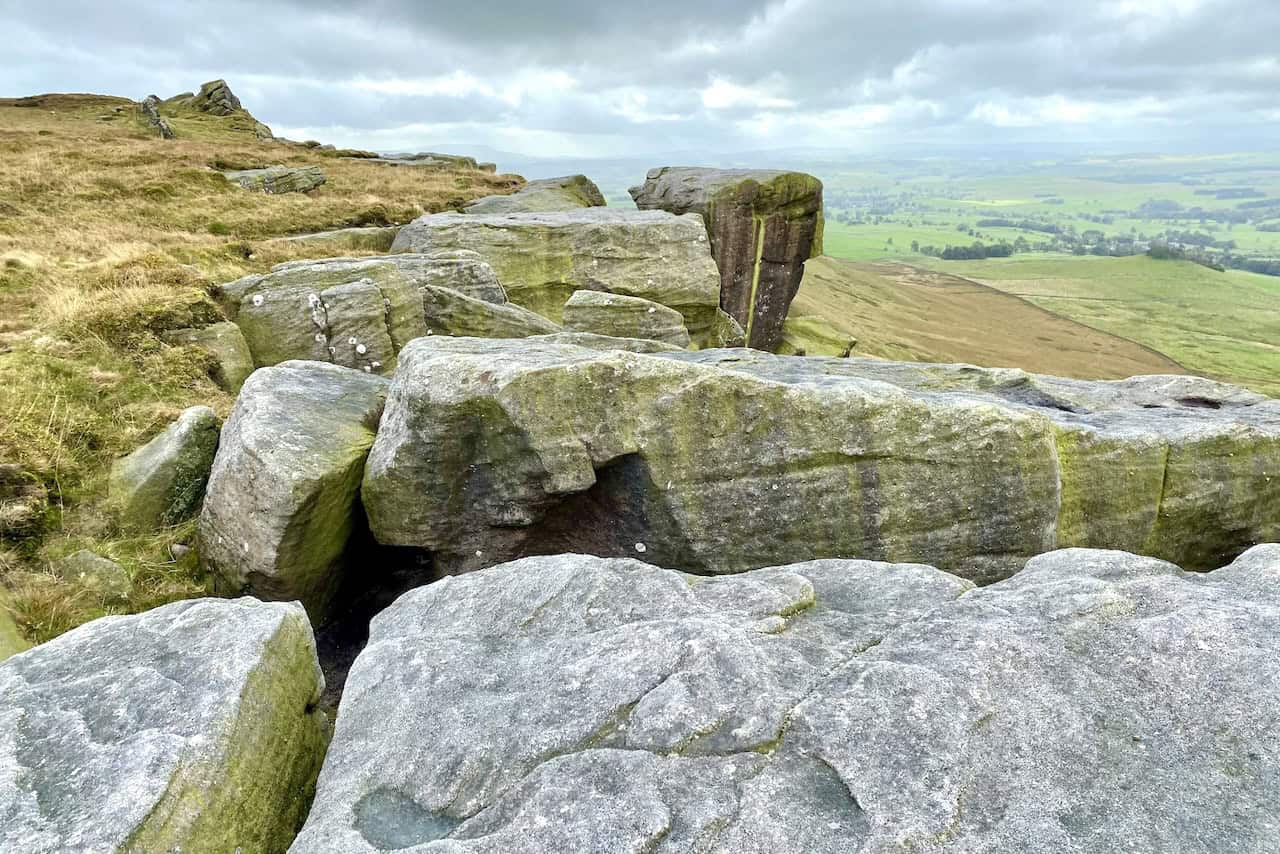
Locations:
column 902, row 312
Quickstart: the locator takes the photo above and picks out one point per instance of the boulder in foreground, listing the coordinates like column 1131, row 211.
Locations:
column 542, row 258
column 189, row 728
column 577, row 704
column 282, row 503
column 763, row 225
column 725, row 460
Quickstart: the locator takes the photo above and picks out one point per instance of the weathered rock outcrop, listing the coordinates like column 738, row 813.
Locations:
column 577, row 704
column 216, row 98
column 151, row 112
column 275, row 180
column 624, row 317
column 548, row 194
column 725, row 460
column 356, row 312
column 433, row 160
column 282, row 502
column 542, row 258
column 233, row 361
column 162, row 483
column 763, row 227
column 450, row 312
column 103, row 577
column 188, row 728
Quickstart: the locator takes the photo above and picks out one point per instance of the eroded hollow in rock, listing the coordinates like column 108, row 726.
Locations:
column 622, row 515
column 393, row 821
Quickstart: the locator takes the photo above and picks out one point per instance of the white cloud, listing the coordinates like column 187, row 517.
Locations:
column 724, row 95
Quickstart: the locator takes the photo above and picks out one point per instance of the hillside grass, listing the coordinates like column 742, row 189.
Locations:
column 1221, row 325
column 108, row 237
column 906, row 313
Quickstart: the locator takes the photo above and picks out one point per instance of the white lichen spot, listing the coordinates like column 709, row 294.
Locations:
column 479, row 553
column 258, row 300
column 361, row 349
column 653, row 310
column 320, row 337
column 353, row 341
column 368, row 370
column 377, row 365
column 313, row 300
column 641, row 548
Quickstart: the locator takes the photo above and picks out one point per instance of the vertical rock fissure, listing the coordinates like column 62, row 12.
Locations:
column 755, row 275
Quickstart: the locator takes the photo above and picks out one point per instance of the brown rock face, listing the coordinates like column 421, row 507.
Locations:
column 763, row 226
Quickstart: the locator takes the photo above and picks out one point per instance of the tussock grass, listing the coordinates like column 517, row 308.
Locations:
column 107, row 238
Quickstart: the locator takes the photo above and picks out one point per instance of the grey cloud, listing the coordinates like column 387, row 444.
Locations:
column 821, row 72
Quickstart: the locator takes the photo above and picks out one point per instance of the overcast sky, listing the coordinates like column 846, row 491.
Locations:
column 591, row 78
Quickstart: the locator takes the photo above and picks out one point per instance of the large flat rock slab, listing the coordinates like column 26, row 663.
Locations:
column 188, row 728
column 726, row 460
column 283, row 498
column 542, row 258
column 571, row 703
column 763, row 226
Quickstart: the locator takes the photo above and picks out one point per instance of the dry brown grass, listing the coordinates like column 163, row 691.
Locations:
column 107, row 237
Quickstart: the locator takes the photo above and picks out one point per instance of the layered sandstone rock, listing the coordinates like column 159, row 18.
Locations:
column 548, row 194
column 763, row 227
column 721, row 461
column 543, row 258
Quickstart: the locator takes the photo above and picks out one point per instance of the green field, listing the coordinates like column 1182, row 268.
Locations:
column 1222, row 325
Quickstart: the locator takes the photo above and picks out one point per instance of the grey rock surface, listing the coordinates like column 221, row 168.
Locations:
column 624, row 317
column 274, row 180
column 162, row 483
column 1095, row 702
column 226, row 344
column 548, row 194
column 282, row 502
column 724, row 460
column 763, row 226
column 151, row 112
column 216, row 98
column 542, row 258
column 101, row 576
column 188, row 728
column 356, row 312
column 449, row 312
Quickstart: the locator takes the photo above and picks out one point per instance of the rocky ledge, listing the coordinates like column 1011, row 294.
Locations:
column 587, row 705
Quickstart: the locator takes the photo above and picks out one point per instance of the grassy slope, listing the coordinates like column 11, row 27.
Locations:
column 1223, row 325
column 900, row 312
column 108, row 236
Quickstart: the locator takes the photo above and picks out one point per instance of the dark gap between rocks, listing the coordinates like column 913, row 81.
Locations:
column 375, row 576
